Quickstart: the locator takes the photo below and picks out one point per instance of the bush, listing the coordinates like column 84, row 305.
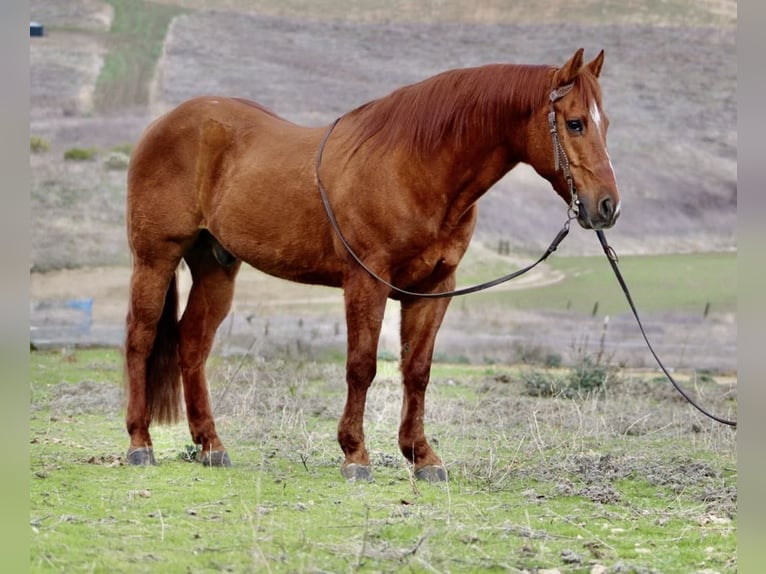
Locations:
column 80, row 154
column 117, row 160
column 126, row 149
column 38, row 144
column 585, row 379
column 588, row 377
column 538, row 383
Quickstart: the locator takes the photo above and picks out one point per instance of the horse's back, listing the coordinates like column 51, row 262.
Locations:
column 240, row 171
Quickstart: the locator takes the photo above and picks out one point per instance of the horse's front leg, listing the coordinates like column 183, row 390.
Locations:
column 365, row 301
column 420, row 321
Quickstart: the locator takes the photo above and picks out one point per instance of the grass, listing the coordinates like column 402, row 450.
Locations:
column 658, row 283
column 534, row 482
column 80, row 154
column 135, row 43
column 38, row 144
column 658, row 12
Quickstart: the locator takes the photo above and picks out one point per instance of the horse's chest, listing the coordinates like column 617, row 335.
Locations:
column 435, row 263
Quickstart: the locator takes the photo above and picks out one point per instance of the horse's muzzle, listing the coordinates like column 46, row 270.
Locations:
column 603, row 216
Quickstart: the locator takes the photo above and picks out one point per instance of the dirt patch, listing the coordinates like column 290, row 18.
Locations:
column 65, row 63
column 666, row 13
column 91, row 15
column 273, row 318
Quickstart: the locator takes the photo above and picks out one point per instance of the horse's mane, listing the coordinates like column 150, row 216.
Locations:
column 455, row 104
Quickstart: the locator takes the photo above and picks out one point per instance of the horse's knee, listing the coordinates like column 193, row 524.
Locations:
column 360, row 372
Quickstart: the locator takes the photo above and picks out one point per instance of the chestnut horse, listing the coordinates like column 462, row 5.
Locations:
column 218, row 181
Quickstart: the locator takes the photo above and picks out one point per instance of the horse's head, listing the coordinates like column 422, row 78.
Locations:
column 569, row 137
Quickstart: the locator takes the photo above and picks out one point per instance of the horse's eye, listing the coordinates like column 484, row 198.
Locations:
column 575, row 126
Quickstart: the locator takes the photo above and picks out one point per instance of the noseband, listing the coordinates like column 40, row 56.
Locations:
column 561, row 161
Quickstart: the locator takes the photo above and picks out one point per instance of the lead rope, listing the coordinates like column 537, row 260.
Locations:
column 465, row 291
column 612, row 257
column 561, row 162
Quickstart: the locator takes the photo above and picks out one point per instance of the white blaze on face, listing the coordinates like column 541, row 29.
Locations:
column 595, row 115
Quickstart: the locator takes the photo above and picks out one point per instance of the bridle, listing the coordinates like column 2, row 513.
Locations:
column 561, row 162
column 560, row 158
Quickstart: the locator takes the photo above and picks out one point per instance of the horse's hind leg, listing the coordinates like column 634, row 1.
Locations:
column 420, row 321
column 213, row 273
column 151, row 365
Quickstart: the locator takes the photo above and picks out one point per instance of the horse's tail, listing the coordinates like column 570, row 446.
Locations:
column 163, row 373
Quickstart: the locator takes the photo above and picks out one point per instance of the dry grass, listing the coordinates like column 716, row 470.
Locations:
column 482, row 409
column 667, row 13
column 608, row 480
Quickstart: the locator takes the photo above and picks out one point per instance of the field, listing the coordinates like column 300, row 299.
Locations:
column 566, row 452
column 623, row 479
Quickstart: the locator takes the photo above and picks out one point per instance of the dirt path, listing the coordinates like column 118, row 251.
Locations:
column 271, row 317
column 108, row 287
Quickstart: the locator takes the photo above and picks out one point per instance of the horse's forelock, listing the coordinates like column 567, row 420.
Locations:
column 587, row 88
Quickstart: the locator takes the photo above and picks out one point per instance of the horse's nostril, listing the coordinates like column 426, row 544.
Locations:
column 606, row 208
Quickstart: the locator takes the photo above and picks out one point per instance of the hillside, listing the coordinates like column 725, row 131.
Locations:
column 670, row 92
column 669, row 84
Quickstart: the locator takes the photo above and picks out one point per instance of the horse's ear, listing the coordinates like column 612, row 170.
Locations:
column 568, row 71
column 595, row 65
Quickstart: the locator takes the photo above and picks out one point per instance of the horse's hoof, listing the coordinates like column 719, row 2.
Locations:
column 353, row 472
column 214, row 458
column 143, row 456
column 431, row 473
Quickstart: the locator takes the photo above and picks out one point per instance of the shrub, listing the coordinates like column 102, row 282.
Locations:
column 126, row 149
column 38, row 144
column 538, row 383
column 80, row 154
column 552, row 360
column 586, row 378
column 117, row 160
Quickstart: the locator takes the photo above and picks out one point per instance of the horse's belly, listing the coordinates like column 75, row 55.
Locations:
column 296, row 257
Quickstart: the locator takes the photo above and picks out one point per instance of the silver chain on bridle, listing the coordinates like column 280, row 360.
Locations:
column 559, row 154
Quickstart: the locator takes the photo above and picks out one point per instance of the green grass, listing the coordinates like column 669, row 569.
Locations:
column 658, row 283
column 80, row 154
column 38, row 144
column 534, row 483
column 135, row 43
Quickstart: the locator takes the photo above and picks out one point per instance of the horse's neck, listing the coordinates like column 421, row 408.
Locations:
column 471, row 168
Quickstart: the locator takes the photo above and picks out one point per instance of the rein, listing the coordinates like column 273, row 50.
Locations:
column 465, row 291
column 612, row 257
column 561, row 162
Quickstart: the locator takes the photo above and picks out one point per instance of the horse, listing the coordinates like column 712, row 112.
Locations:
column 218, row 181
